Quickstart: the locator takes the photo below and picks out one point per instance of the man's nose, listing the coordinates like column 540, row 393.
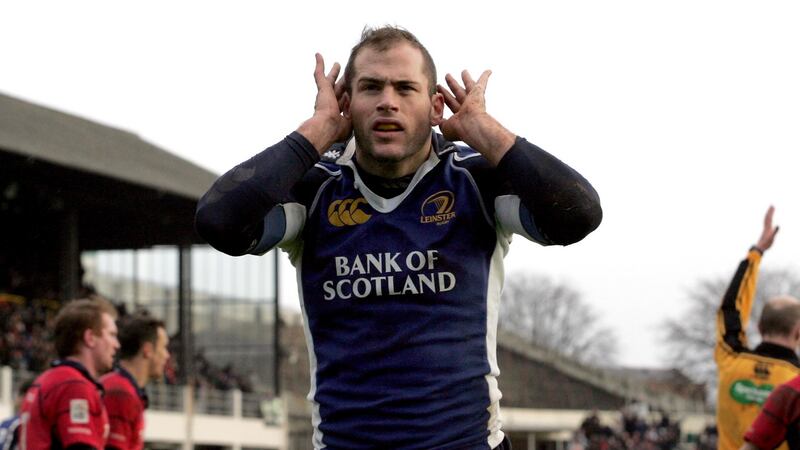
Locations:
column 388, row 100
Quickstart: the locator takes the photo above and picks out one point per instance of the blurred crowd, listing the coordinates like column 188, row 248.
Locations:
column 223, row 378
column 24, row 332
column 25, row 344
column 633, row 432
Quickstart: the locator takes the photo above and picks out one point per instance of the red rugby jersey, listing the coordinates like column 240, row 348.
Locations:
column 125, row 403
column 63, row 407
column 779, row 419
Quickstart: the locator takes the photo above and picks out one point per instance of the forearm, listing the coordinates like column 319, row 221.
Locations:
column 230, row 215
column 737, row 302
column 490, row 138
column 564, row 205
column 320, row 132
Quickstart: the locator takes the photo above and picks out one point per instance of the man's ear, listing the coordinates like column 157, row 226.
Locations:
column 437, row 109
column 89, row 338
column 147, row 350
column 346, row 105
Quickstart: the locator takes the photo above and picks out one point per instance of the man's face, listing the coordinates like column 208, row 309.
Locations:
column 392, row 109
column 106, row 344
column 160, row 355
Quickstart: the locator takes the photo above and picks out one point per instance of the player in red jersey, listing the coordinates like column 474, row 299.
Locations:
column 779, row 420
column 63, row 408
column 143, row 355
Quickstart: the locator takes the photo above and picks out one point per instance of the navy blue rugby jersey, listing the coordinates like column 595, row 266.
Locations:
column 400, row 298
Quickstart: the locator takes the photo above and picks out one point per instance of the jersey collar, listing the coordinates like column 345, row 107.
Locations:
column 79, row 367
column 776, row 351
column 140, row 391
column 442, row 146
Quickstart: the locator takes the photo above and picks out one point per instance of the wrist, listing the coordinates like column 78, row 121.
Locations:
column 486, row 135
column 758, row 249
column 320, row 132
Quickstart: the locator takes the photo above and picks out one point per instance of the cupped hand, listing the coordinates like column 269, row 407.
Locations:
column 467, row 103
column 329, row 103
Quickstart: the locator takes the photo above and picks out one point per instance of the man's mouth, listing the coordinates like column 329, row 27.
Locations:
column 386, row 126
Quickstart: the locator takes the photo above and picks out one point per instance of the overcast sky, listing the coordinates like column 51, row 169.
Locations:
column 683, row 114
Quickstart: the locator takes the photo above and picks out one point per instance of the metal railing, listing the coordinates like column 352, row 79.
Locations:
column 165, row 397
column 214, row 402
column 174, row 398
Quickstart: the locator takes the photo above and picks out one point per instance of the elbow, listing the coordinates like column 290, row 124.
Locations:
column 570, row 225
column 579, row 225
column 218, row 233
column 587, row 222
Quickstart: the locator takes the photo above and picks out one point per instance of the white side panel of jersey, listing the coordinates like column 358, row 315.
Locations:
column 506, row 211
column 316, row 418
column 295, row 220
column 296, row 216
column 495, row 289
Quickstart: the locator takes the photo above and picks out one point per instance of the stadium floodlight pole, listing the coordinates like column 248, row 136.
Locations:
column 187, row 339
column 276, row 341
column 69, row 255
column 185, row 313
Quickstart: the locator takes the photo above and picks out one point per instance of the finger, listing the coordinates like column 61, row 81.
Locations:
column 449, row 99
column 457, row 90
column 469, row 83
column 319, row 70
column 484, row 79
column 768, row 217
column 334, row 73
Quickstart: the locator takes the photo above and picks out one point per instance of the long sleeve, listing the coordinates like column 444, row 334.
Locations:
column 230, row 216
column 559, row 202
column 734, row 312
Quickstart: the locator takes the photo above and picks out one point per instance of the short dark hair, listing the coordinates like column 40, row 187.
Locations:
column 382, row 39
column 76, row 317
column 24, row 385
column 136, row 329
column 779, row 317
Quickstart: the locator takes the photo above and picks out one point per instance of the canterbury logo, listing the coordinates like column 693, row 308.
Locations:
column 346, row 212
column 438, row 208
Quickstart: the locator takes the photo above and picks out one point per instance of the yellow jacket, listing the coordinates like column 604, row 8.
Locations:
column 746, row 377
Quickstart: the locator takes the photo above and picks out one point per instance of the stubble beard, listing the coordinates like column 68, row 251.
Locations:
column 104, row 366
column 366, row 146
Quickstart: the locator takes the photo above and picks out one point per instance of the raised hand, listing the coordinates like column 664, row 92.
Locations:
column 470, row 122
column 327, row 125
column 465, row 102
column 769, row 232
